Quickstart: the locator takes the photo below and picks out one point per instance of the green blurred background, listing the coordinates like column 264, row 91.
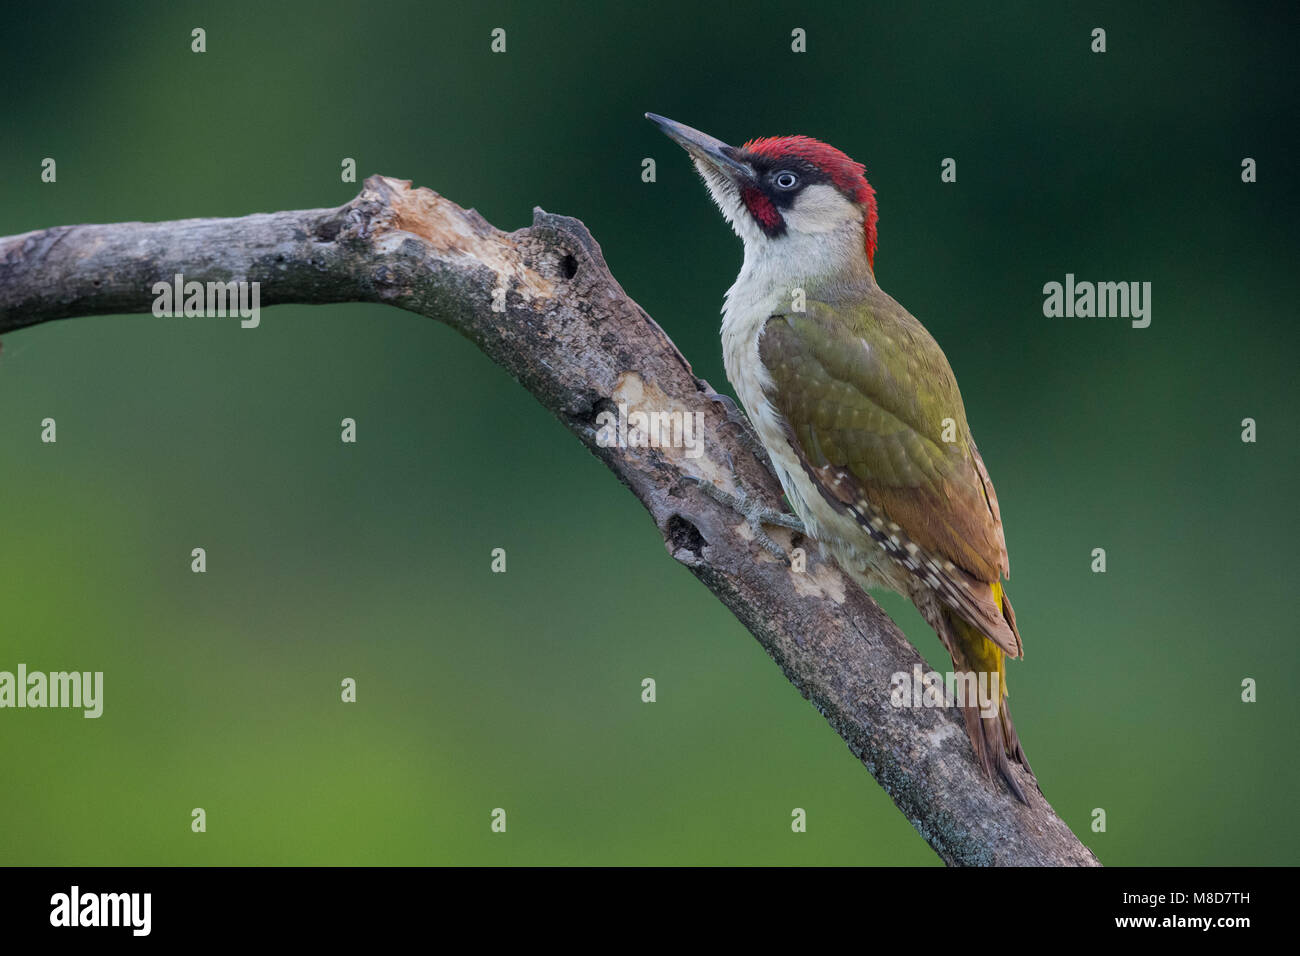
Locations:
column 522, row 690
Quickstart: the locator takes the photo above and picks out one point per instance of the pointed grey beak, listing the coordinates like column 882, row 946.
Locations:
column 704, row 147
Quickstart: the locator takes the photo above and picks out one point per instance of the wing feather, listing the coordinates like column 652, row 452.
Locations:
column 869, row 415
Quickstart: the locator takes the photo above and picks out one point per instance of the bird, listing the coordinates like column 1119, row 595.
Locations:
column 859, row 412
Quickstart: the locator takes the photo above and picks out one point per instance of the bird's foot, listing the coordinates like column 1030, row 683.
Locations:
column 755, row 513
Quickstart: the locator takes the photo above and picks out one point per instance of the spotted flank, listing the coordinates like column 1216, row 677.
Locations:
column 981, row 604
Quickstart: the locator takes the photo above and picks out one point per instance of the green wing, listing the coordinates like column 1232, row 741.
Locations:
column 865, row 391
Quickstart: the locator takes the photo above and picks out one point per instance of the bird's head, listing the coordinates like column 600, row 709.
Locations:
column 786, row 190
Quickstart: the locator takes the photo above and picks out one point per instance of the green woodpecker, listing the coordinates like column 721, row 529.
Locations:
column 859, row 410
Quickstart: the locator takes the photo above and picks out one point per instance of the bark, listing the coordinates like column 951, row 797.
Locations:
column 571, row 336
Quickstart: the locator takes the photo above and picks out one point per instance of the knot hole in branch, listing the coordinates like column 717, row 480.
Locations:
column 684, row 539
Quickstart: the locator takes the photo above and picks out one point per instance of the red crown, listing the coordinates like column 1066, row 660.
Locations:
column 847, row 174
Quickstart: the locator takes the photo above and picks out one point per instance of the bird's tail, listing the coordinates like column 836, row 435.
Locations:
column 987, row 717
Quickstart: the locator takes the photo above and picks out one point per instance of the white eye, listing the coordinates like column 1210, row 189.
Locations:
column 786, row 180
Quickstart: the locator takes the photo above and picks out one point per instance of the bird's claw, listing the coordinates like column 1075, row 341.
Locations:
column 755, row 514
